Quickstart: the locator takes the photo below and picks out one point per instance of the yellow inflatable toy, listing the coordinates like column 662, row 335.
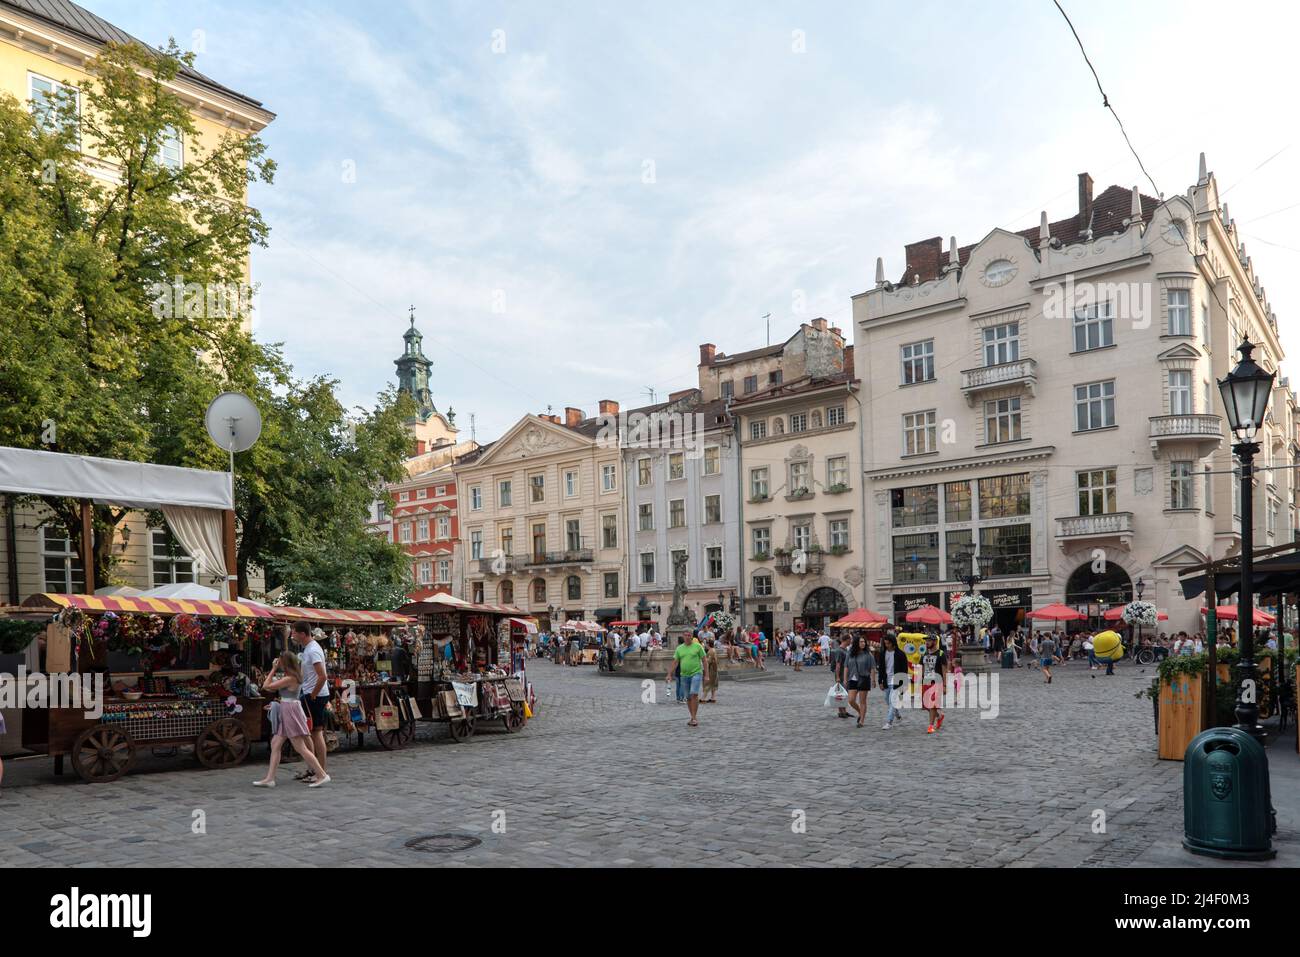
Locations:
column 1107, row 646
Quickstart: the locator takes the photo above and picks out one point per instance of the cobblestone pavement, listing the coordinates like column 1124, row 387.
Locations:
column 599, row 777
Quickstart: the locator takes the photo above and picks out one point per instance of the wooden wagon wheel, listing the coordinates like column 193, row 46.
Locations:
column 102, row 753
column 462, row 730
column 223, row 744
column 394, row 739
column 514, row 719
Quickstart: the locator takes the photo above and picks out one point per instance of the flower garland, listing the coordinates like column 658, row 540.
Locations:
column 1140, row 613
column 971, row 611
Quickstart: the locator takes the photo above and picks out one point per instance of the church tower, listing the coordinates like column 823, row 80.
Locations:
column 413, row 370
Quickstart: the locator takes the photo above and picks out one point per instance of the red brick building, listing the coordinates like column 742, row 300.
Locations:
column 425, row 525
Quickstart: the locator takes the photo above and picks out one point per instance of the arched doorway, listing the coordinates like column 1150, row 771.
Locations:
column 1094, row 591
column 822, row 607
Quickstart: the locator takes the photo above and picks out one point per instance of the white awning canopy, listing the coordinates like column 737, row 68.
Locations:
column 111, row 481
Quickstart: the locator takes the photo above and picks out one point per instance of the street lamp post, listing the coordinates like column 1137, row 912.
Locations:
column 1139, row 585
column 1245, row 392
column 972, row 651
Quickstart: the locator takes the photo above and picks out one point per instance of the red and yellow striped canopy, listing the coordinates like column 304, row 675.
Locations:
column 331, row 615
column 151, row 606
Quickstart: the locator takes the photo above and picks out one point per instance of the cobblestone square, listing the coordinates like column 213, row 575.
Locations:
column 600, row 778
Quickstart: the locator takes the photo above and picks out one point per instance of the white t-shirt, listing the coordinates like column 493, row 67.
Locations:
column 825, row 642
column 311, row 653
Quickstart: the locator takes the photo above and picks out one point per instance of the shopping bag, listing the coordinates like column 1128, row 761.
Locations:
column 386, row 716
column 836, row 696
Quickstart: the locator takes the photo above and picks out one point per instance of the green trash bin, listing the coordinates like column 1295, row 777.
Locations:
column 1227, row 808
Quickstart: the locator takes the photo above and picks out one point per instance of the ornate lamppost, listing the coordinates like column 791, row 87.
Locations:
column 972, row 650
column 1245, row 392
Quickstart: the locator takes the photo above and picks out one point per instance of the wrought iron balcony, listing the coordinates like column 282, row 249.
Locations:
column 1111, row 525
column 572, row 556
column 810, row 563
column 1198, row 430
column 1020, row 372
column 497, row 566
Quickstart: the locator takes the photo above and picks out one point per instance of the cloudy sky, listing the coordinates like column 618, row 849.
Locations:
column 575, row 196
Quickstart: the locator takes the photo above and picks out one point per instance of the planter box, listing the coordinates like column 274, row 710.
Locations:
column 1182, row 715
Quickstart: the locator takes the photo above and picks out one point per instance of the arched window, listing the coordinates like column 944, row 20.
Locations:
column 507, row 593
column 1087, row 586
column 573, row 588
column 539, row 590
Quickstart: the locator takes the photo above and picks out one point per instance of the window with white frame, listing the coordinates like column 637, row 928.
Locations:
column 443, row 526
column 799, row 422
column 425, row 572
column 712, row 460
column 1094, row 405
column 758, row 429
column 677, row 513
column 609, row 531
column 1094, row 327
column 422, row 530
column 761, row 540
column 758, row 484
column 608, row 478
column 676, row 466
column 1180, row 485
column 405, row 532
column 800, row 478
column 1178, row 306
column 476, row 544
column 1001, row 343
column 917, row 361
column 919, row 433
column 835, row 415
column 444, row 571
column 713, row 562
column 404, row 496
column 475, row 498
column 1097, row 491
column 47, row 98
column 170, row 154
column 570, row 483
column 505, row 493
column 801, row 535
column 168, row 561
column 1180, row 392
column 421, row 493
column 440, row 491
column 645, row 514
column 647, row 568
column 712, row 509
column 837, row 471
column 1002, row 420
column 762, row 585
column 573, row 534
column 839, row 528
column 643, row 471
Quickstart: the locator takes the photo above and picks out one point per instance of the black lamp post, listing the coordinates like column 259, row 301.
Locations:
column 1139, row 585
column 1245, row 393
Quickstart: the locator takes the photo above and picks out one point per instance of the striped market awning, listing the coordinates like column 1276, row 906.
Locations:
column 150, row 606
column 338, row 615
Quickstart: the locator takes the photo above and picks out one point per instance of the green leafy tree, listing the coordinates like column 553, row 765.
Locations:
column 355, row 570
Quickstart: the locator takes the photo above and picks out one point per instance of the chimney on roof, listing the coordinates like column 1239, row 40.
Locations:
column 923, row 260
column 707, row 351
column 681, row 394
column 837, row 332
column 953, row 261
column 819, row 324
column 848, row 360
column 553, row 419
column 880, row 272
column 1085, row 204
column 573, row 417
column 608, row 407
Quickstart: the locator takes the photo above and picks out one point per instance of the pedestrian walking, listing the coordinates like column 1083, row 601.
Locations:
column 289, row 720
column 710, row 695
column 315, row 688
column 892, row 669
column 934, row 677
column 858, row 669
column 798, row 651
column 688, row 659
column 1047, row 657
column 837, row 656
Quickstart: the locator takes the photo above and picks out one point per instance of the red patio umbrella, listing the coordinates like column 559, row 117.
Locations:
column 1229, row 613
column 928, row 615
column 1057, row 612
column 1116, row 613
column 860, row 618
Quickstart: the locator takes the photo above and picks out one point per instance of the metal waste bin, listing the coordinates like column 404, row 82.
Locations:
column 1227, row 808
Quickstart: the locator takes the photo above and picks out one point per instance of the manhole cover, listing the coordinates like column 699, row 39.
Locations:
column 442, row 843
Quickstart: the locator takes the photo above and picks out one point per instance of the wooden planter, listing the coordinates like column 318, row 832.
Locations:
column 1182, row 715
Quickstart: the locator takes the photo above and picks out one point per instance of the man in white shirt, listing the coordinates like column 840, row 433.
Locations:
column 315, row 689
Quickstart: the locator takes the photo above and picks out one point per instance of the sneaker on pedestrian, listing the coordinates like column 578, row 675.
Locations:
column 939, row 724
column 931, row 730
column 887, row 725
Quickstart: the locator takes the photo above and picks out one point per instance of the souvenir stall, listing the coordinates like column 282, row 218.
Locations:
column 589, row 634
column 369, row 658
column 470, row 670
column 174, row 674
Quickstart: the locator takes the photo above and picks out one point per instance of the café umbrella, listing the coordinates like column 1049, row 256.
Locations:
column 1229, row 613
column 1057, row 612
column 928, row 615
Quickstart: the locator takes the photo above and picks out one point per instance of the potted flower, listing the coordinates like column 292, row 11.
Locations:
column 971, row 612
column 837, row 488
column 1140, row 613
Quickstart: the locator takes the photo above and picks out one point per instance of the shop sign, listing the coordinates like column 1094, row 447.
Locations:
column 1011, row 598
column 905, row 603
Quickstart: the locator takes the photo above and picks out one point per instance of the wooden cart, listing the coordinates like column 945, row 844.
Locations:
column 496, row 699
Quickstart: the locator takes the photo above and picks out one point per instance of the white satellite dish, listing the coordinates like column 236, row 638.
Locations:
column 233, row 422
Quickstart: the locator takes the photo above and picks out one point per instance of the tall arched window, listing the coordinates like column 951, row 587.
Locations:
column 573, row 588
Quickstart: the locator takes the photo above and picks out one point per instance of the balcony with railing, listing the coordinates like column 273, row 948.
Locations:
column 1018, row 372
column 794, row 561
column 571, row 556
column 1200, row 431
column 503, row 565
column 1115, row 526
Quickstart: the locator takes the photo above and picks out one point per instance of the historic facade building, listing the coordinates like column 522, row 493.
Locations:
column 1043, row 404
column 681, row 494
column 542, row 518
column 800, row 460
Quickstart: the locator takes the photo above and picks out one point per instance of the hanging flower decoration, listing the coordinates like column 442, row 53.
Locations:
column 187, row 628
column 724, row 620
column 971, row 611
column 1141, row 613
column 106, row 628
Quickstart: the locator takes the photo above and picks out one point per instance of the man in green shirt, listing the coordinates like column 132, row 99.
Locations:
column 688, row 659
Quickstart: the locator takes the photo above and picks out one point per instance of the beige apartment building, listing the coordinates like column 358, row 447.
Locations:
column 800, row 464
column 541, row 521
column 1047, row 401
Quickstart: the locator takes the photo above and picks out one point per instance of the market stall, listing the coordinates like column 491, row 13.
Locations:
column 173, row 674
column 865, row 620
column 589, row 635
column 472, row 665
